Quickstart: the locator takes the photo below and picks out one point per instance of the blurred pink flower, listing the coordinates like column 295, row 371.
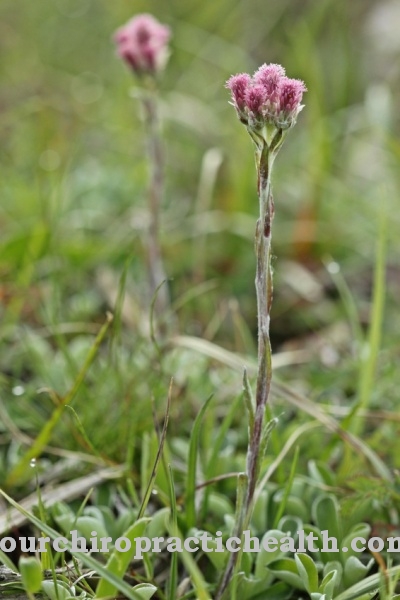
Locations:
column 143, row 44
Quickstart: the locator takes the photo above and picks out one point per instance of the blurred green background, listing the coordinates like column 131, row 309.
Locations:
column 73, row 179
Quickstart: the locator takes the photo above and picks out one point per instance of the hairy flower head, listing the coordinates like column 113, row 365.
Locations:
column 255, row 99
column 238, row 85
column 270, row 77
column 268, row 99
column 290, row 97
column 143, row 44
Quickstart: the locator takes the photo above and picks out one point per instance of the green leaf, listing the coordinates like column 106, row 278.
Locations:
column 291, row 525
column 361, row 530
column 370, row 585
column 220, row 506
column 328, row 584
column 6, row 560
column 266, row 434
column 256, row 589
column 118, row 562
column 260, row 511
column 325, row 511
column 241, row 491
column 85, row 526
column 145, row 591
column 320, row 472
column 217, row 559
column 157, row 527
column 317, row 543
column 333, row 566
column 355, row 570
column 63, row 516
column 307, row 571
column 286, row 570
column 56, row 590
column 31, row 573
column 264, row 558
column 286, row 492
column 249, row 401
column 296, row 507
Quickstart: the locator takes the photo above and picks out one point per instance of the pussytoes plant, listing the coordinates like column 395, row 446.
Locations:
column 143, row 45
column 268, row 104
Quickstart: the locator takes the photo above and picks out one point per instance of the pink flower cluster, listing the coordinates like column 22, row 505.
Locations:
column 269, row 97
column 143, row 44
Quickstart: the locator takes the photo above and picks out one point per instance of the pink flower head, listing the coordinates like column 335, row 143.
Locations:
column 271, row 72
column 143, row 44
column 270, row 76
column 269, row 98
column 291, row 94
column 255, row 99
column 238, row 85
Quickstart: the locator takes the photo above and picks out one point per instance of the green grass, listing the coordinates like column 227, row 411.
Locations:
column 73, row 180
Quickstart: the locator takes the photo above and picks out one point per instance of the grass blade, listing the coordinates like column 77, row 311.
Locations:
column 369, row 357
column 192, row 464
column 173, row 571
column 153, row 475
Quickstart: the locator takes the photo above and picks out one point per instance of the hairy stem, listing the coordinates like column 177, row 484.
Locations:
column 264, row 290
column 156, row 189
